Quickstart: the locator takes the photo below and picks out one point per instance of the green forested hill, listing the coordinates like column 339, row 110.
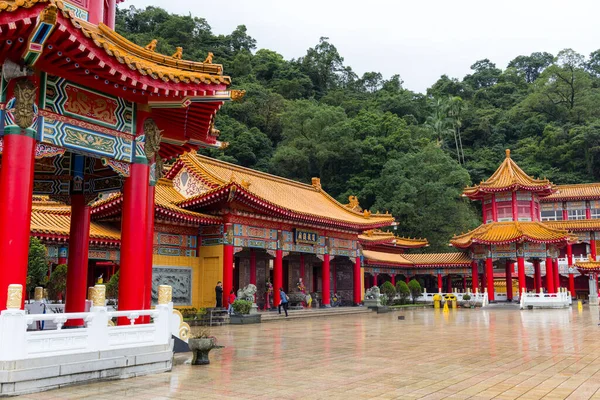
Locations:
column 400, row 151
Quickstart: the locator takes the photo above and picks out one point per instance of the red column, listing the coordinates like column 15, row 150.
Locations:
column 253, row 267
column 537, row 276
column 565, row 214
column 440, row 282
column 494, row 208
column 484, row 279
column 588, row 211
column 484, row 211
column 509, row 287
column 96, row 11
column 489, row 272
column 549, row 276
column 110, row 12
column 325, row 278
column 448, row 283
column 303, row 270
column 356, row 283
column 556, row 275
column 374, row 279
column 522, row 279
column 407, row 279
column 16, row 189
column 515, row 210
column 277, row 276
column 133, row 240
column 62, row 255
column 149, row 251
column 464, row 288
column 334, row 278
column 570, row 265
column 593, row 245
column 79, row 237
column 532, row 208
column 474, row 276
column 228, row 274
column 394, row 279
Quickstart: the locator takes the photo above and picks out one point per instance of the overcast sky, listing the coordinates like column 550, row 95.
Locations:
column 419, row 39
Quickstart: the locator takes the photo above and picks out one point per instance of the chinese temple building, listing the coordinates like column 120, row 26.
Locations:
column 85, row 112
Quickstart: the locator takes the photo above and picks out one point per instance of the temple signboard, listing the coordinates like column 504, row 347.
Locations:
column 305, row 236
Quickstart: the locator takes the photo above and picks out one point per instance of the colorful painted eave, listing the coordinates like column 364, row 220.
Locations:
column 578, row 192
column 509, row 177
column 431, row 260
column 379, row 237
column 586, row 267
column 271, row 194
column 575, row 225
column 512, row 232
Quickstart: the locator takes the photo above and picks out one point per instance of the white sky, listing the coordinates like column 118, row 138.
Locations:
column 419, row 39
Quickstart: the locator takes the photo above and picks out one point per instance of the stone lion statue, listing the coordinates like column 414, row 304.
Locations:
column 373, row 293
column 247, row 293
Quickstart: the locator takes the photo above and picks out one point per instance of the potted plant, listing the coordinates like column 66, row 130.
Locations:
column 201, row 343
column 388, row 292
column 241, row 313
column 467, row 300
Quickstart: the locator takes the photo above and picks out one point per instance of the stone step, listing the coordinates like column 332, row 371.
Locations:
column 295, row 314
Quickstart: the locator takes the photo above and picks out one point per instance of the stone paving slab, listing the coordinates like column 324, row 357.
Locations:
column 495, row 353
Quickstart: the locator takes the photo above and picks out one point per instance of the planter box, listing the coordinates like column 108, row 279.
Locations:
column 383, row 310
column 245, row 319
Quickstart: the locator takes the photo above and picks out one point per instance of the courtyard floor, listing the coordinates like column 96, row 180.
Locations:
column 498, row 352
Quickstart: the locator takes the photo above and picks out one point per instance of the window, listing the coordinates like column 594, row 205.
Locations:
column 554, row 215
column 576, row 214
column 488, row 215
column 524, row 210
column 504, row 211
column 595, row 213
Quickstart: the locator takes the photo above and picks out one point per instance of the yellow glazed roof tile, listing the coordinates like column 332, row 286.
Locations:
column 575, row 225
column 386, row 258
column 439, row 259
column 588, row 266
column 57, row 221
column 285, row 193
column 509, row 176
column 582, row 191
column 379, row 236
column 508, row 232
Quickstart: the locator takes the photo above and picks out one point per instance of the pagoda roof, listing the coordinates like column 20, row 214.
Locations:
column 165, row 196
column 183, row 95
column 53, row 222
column 509, row 177
column 431, row 260
column 271, row 194
column 511, row 232
column 377, row 236
column 575, row 225
column 576, row 192
column 586, row 267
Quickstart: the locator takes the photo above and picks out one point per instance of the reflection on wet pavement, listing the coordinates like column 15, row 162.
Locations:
column 498, row 352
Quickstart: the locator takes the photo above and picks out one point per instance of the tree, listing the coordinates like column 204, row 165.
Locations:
column 37, row 264
column 112, row 288
column 415, row 289
column 389, row 291
column 403, row 291
column 57, row 285
column 324, row 66
column 530, row 67
column 485, row 74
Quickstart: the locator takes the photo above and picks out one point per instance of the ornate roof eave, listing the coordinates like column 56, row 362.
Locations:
column 233, row 191
column 578, row 225
column 63, row 238
column 477, row 192
column 586, row 267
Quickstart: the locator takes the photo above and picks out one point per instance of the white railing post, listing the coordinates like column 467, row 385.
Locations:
column 13, row 326
column 98, row 326
column 165, row 310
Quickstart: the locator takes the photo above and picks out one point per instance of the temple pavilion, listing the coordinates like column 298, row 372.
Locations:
column 84, row 113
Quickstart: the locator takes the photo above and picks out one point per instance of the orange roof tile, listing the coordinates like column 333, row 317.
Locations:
column 588, row 266
column 386, row 258
column 286, row 194
column 509, row 232
column 509, row 176
column 439, row 259
column 581, row 191
column 575, row 225
column 379, row 236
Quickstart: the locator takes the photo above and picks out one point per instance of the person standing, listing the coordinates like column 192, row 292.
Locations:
column 219, row 294
column 231, row 300
column 283, row 302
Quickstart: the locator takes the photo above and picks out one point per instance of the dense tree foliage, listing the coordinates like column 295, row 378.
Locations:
column 37, row 265
column 398, row 151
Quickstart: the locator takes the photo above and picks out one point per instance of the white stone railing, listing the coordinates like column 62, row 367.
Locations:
column 97, row 334
column 480, row 299
column 562, row 299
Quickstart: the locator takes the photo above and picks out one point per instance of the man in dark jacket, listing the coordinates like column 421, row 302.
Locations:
column 219, row 294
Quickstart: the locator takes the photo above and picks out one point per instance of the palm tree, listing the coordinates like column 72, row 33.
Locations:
column 438, row 121
column 455, row 109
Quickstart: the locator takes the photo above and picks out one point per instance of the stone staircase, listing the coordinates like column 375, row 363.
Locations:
column 268, row 316
column 213, row 317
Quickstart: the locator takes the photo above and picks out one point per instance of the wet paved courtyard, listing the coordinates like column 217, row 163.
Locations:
column 498, row 353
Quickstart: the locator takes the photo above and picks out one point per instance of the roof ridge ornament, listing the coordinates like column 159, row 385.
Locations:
column 316, row 183
column 353, row 204
column 507, row 151
column 152, row 45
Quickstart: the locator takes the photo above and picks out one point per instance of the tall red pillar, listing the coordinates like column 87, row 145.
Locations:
column 449, row 283
column 489, row 272
column 228, row 265
column 407, row 279
column 556, row 275
column 494, row 208
column 16, row 189
column 356, row 282
column 393, row 279
column 149, row 251
column 509, row 282
column 593, row 245
column 277, row 276
column 474, row 276
column 522, row 279
column 325, row 282
column 570, row 266
column 374, row 279
column 253, row 267
column 440, row 283
column 537, row 276
column 96, row 11
column 549, row 276
column 133, row 240
column 79, row 238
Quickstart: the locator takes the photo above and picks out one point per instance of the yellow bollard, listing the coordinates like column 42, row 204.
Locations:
column 579, row 306
column 437, row 299
column 446, row 307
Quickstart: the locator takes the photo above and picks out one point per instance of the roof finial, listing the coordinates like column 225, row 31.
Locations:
column 507, row 153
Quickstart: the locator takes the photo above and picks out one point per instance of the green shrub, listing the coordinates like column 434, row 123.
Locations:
column 57, row 285
column 112, row 287
column 242, row 307
column 388, row 291
column 403, row 291
column 466, row 297
column 415, row 289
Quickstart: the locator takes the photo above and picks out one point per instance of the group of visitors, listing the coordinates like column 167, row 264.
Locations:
column 283, row 303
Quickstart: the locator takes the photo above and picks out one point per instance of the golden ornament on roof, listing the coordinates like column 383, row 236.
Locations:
column 237, row 95
column 209, row 58
column 316, row 182
column 152, row 45
column 178, row 53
